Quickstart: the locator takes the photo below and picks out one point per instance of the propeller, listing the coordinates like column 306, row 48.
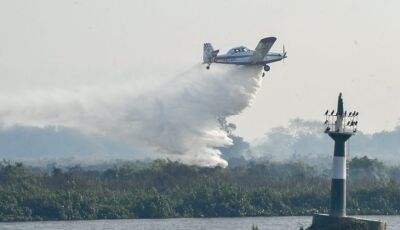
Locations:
column 283, row 53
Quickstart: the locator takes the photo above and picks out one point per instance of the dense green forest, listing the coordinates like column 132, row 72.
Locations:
column 163, row 189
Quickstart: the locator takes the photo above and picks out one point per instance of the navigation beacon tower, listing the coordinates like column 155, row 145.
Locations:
column 340, row 126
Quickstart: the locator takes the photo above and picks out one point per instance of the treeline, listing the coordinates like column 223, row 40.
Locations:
column 164, row 189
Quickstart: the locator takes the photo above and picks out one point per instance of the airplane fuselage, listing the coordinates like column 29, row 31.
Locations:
column 246, row 59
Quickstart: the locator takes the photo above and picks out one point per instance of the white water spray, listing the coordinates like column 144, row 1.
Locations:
column 178, row 119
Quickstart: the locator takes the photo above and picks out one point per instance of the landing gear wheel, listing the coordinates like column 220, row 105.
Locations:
column 266, row 68
column 208, row 67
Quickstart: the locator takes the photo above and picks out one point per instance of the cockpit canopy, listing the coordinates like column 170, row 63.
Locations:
column 237, row 50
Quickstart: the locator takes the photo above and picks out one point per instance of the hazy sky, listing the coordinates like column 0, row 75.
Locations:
column 333, row 46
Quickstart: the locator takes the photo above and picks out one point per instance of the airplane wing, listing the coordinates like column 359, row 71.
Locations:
column 262, row 49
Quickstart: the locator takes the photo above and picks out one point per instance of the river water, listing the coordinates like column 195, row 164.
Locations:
column 245, row 223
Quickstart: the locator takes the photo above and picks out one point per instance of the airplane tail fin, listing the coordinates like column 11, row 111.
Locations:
column 209, row 53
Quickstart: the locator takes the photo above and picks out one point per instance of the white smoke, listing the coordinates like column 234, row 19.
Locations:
column 178, row 118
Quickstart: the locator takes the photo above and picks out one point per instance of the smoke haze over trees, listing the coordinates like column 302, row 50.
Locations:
column 305, row 139
column 301, row 140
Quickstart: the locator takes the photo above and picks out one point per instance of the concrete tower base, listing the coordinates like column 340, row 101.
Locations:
column 326, row 222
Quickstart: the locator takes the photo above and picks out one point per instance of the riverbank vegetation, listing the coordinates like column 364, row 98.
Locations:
column 164, row 189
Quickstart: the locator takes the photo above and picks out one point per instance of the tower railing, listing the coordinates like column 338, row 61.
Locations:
column 349, row 123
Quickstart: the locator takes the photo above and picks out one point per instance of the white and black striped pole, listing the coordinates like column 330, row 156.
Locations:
column 337, row 131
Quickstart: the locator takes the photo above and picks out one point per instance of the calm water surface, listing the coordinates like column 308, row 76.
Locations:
column 245, row 223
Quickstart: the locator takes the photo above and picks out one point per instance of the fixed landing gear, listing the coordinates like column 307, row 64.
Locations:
column 266, row 69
